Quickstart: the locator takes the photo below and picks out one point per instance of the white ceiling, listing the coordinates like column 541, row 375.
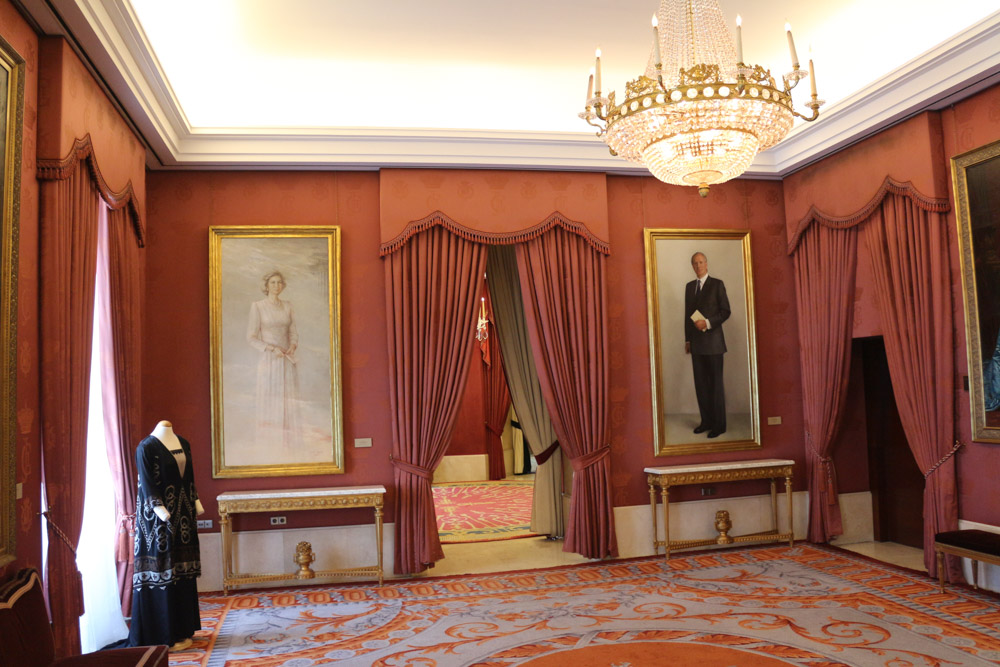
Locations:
column 322, row 83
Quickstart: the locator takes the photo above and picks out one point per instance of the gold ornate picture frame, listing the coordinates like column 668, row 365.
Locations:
column 976, row 177
column 11, row 123
column 671, row 294
column 274, row 295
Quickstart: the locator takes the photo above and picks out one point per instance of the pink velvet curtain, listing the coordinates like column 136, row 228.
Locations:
column 496, row 397
column 120, row 277
column 563, row 286
column 68, row 249
column 825, row 269
column 433, row 284
column 909, row 252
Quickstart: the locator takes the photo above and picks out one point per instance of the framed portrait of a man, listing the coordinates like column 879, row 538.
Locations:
column 976, row 177
column 275, row 351
column 699, row 291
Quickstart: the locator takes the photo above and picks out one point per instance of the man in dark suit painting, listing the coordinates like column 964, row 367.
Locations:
column 706, row 307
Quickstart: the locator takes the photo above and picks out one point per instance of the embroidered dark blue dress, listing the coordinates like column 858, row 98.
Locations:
column 167, row 557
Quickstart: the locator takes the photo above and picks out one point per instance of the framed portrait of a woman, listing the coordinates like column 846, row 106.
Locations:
column 275, row 351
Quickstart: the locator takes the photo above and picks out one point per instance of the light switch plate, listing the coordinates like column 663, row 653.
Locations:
column 18, row 491
column 204, row 524
column 362, row 442
column 773, row 421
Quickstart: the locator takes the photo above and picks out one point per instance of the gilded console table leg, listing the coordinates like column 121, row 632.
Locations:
column 378, row 540
column 227, row 550
column 791, row 525
column 774, row 505
column 652, row 507
column 665, row 492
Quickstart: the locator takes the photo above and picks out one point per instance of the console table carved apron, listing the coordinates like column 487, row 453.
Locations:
column 728, row 471
column 236, row 502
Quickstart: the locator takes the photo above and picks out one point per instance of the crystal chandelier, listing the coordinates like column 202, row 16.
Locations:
column 698, row 116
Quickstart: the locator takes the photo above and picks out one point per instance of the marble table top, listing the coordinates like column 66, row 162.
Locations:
column 329, row 491
column 718, row 466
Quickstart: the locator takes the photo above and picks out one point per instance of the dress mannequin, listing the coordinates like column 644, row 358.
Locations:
column 167, row 558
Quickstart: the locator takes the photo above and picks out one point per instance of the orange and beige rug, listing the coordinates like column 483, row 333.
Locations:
column 757, row 607
column 484, row 511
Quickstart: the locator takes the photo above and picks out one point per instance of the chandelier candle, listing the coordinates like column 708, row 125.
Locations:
column 698, row 114
column 812, row 79
column 739, row 39
column 791, row 46
column 590, row 88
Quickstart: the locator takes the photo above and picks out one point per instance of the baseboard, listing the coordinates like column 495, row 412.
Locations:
column 988, row 576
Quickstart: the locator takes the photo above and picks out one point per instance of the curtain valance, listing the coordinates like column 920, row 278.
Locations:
column 889, row 186
column 83, row 151
column 491, row 207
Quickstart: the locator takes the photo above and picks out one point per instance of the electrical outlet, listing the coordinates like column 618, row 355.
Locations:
column 362, row 442
column 204, row 524
column 708, row 490
column 773, row 421
column 278, row 521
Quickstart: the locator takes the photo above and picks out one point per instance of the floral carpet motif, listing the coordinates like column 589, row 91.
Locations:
column 483, row 511
column 759, row 607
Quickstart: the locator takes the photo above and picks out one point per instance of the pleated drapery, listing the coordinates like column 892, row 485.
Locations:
column 121, row 277
column 565, row 304
column 910, row 262
column 74, row 198
column 68, row 250
column 433, row 285
column 547, row 515
column 496, row 396
column 906, row 237
column 825, row 270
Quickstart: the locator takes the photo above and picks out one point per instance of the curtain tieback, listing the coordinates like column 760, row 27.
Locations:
column 412, row 469
column 495, row 431
column 958, row 445
column 58, row 531
column 829, row 472
column 547, row 454
column 124, row 551
column 590, row 458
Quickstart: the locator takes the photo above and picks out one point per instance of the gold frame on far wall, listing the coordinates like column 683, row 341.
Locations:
column 976, row 177
column 675, row 406
column 274, row 302
column 11, row 123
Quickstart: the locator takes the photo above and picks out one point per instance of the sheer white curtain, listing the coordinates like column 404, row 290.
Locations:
column 101, row 623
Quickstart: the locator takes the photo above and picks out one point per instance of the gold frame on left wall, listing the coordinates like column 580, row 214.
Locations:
column 12, row 118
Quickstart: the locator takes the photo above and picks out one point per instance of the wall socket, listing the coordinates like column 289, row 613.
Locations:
column 708, row 490
column 204, row 524
column 362, row 442
column 278, row 521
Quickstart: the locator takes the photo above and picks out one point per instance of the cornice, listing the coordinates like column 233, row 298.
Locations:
column 108, row 31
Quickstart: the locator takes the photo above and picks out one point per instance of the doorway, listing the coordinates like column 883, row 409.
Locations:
column 897, row 484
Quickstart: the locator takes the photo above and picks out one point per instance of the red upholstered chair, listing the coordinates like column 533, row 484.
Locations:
column 26, row 636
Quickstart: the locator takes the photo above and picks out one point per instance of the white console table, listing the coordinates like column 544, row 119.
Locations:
column 236, row 502
column 708, row 473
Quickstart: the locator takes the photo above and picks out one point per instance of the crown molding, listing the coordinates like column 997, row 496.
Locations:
column 111, row 36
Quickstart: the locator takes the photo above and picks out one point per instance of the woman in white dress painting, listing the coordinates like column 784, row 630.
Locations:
column 272, row 331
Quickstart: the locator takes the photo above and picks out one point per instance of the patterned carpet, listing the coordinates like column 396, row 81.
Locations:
column 484, row 511
column 763, row 606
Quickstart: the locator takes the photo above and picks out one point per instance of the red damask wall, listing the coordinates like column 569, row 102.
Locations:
column 968, row 125
column 182, row 206
column 16, row 32
column 637, row 203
